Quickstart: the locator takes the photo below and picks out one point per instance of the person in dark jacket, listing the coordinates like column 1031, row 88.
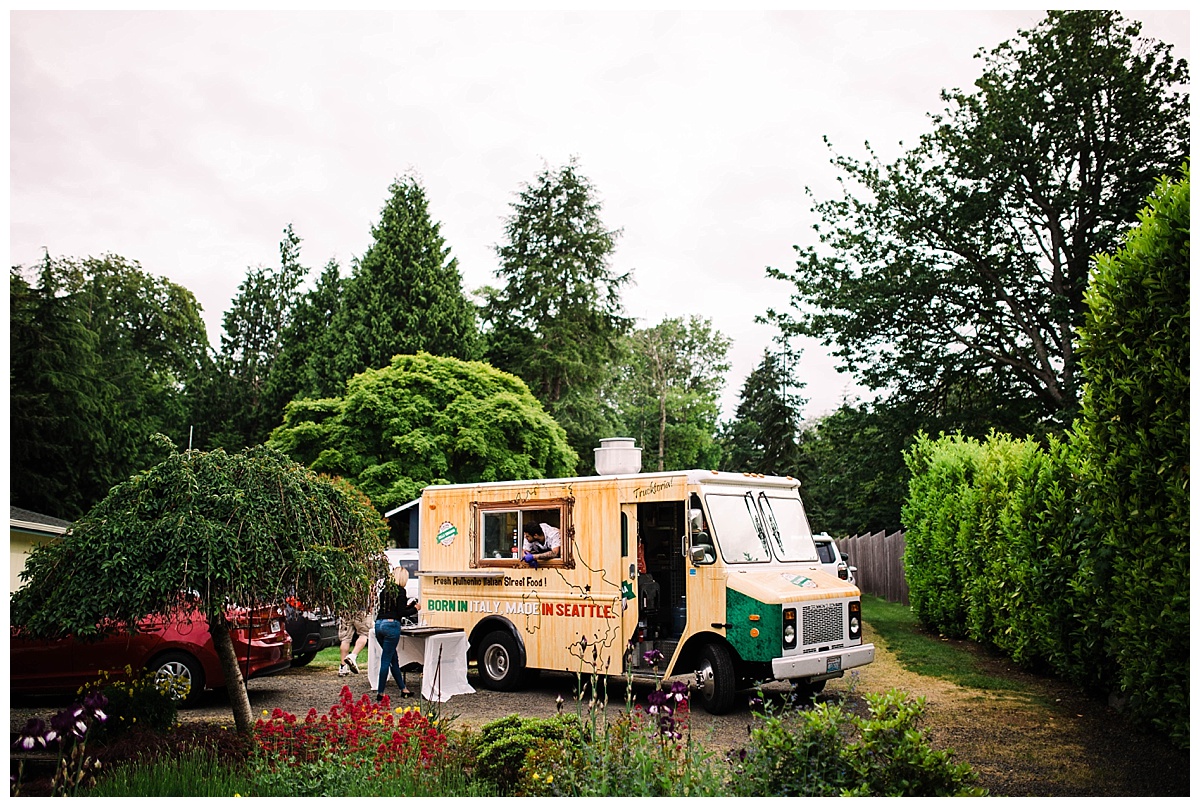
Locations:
column 394, row 606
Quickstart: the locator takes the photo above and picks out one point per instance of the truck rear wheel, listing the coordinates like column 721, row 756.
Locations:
column 716, row 683
column 500, row 664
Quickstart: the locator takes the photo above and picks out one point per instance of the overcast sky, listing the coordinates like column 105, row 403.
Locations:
column 188, row 141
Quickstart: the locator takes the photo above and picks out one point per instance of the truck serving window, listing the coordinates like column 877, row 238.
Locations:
column 502, row 526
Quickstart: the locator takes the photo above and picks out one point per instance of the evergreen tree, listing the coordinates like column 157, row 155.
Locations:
column 251, row 344
column 105, row 356
column 558, row 320
column 763, row 436
column 305, row 364
column 403, row 296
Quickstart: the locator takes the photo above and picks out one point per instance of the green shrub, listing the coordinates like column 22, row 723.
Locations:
column 502, row 745
column 138, row 702
column 827, row 751
column 1134, row 429
column 640, row 753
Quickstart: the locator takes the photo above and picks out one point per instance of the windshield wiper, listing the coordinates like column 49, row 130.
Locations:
column 769, row 517
column 756, row 519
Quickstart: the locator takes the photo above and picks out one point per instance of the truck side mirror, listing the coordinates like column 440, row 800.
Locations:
column 702, row 555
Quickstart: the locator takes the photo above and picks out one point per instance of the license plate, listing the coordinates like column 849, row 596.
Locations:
column 274, row 626
column 833, row 664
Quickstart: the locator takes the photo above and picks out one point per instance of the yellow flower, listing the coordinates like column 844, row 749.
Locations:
column 549, row 778
column 535, row 776
column 264, row 712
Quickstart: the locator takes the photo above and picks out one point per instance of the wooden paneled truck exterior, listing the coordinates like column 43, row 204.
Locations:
column 725, row 585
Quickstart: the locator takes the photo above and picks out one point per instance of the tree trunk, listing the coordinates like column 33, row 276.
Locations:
column 239, row 699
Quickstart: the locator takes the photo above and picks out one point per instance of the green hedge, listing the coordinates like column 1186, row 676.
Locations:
column 1073, row 554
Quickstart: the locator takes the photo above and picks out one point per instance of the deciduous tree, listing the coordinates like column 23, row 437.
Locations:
column 968, row 256
column 667, row 391
column 422, row 420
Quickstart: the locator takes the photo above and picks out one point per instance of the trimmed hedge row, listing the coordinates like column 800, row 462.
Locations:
column 1073, row 554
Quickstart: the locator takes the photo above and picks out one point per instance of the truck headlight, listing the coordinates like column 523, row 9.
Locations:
column 855, row 622
column 789, row 628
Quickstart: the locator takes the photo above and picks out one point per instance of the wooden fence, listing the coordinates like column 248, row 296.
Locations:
column 880, row 562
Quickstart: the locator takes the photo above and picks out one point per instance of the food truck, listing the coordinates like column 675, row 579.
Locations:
column 715, row 571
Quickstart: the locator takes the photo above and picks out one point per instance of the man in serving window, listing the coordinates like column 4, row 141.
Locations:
column 542, row 542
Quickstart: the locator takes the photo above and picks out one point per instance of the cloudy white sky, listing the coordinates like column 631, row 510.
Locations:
column 188, row 141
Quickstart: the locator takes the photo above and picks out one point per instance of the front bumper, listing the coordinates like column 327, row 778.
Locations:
column 830, row 664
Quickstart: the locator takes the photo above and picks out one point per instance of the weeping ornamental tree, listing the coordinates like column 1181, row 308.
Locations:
column 246, row 529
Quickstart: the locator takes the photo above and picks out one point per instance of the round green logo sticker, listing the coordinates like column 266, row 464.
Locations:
column 446, row 533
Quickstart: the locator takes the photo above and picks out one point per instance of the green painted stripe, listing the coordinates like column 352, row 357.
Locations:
column 768, row 644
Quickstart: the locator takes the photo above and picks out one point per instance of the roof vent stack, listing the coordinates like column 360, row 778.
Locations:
column 618, row 455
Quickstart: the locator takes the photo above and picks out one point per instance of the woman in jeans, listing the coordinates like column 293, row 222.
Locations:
column 393, row 606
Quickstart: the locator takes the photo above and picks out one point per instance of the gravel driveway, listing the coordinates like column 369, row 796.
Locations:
column 1053, row 743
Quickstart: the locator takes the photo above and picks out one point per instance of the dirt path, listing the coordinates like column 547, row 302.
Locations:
column 1053, row 743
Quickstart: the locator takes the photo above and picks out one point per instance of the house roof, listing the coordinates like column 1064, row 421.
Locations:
column 19, row 518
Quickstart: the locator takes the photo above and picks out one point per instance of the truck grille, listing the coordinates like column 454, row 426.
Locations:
column 823, row 623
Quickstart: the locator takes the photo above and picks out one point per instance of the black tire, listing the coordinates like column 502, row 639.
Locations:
column 180, row 668
column 500, row 665
column 716, row 683
column 805, row 691
column 301, row 659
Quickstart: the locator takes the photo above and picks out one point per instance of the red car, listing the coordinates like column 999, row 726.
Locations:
column 182, row 650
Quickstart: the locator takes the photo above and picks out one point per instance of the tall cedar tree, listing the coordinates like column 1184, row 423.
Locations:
column 963, row 264
column 251, row 344
column 305, row 364
column 403, row 296
column 558, row 320
column 104, row 358
column 763, row 436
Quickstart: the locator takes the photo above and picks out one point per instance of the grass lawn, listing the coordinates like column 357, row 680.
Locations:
column 925, row 653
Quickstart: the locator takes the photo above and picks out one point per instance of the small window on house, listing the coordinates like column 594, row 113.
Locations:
column 502, row 531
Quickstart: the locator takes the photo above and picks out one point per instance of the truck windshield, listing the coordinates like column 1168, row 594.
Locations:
column 751, row 527
column 737, row 527
column 792, row 538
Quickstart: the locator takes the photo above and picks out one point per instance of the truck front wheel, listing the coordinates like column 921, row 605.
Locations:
column 715, row 680
column 500, row 662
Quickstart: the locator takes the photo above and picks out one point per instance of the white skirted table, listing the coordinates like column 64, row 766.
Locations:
column 441, row 652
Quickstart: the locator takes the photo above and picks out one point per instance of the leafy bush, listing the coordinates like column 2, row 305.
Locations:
column 827, row 751
column 426, row 419
column 140, row 702
column 502, row 745
column 1075, row 554
column 1134, row 350
column 639, row 753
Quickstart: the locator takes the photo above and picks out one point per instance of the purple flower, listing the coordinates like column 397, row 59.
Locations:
column 70, row 721
column 33, row 735
column 652, row 657
column 95, row 703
